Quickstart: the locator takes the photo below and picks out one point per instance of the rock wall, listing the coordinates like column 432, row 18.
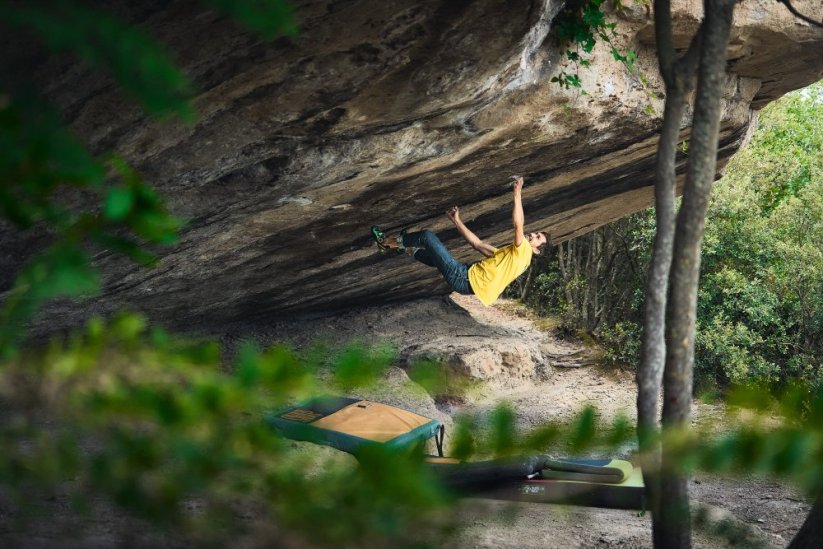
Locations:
column 386, row 112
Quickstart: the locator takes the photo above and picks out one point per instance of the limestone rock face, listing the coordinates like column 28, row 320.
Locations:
column 387, row 112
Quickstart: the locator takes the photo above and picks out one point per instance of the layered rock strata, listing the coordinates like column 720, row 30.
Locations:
column 387, row 113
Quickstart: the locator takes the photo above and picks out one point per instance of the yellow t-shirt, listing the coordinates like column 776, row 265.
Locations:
column 488, row 278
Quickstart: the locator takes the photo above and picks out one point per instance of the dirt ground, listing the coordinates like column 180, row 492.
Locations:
column 764, row 512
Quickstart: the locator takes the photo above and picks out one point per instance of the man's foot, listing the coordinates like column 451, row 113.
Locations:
column 398, row 240
column 386, row 243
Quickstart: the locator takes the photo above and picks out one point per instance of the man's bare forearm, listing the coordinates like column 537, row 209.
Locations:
column 473, row 240
column 466, row 233
column 518, row 219
column 517, row 212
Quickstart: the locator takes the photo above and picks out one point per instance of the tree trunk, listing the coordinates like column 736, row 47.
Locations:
column 598, row 274
column 577, row 286
column 586, row 310
column 810, row 535
column 524, row 289
column 653, row 346
column 677, row 74
column 565, row 263
column 674, row 528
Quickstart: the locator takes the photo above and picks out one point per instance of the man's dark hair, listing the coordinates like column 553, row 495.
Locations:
column 548, row 238
column 548, row 241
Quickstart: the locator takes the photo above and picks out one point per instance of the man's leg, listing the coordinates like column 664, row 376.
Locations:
column 423, row 256
column 432, row 252
column 396, row 243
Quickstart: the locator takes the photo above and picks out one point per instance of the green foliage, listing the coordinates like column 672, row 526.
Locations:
column 761, row 291
column 465, row 438
column 430, row 375
column 583, row 432
column 38, row 156
column 62, row 270
column 596, row 284
column 497, row 435
column 152, row 423
column 785, row 155
column 579, row 27
column 741, row 321
column 48, row 180
column 764, row 430
column 156, row 427
column 765, row 433
column 546, row 295
column 621, row 343
column 502, row 430
column 760, row 301
column 357, row 366
column 40, row 164
column 268, row 18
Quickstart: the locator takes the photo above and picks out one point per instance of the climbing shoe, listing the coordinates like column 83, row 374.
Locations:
column 380, row 238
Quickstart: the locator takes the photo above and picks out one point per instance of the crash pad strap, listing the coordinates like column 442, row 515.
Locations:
column 595, row 470
column 438, row 439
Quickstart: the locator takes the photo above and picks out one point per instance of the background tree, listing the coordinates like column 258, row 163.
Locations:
column 678, row 77
column 594, row 282
column 761, row 289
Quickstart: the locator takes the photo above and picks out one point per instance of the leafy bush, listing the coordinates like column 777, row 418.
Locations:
column 621, row 343
column 48, row 180
column 153, row 425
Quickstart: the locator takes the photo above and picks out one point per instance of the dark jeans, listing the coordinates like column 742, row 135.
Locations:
column 433, row 253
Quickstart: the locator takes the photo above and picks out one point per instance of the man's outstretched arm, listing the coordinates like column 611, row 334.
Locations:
column 517, row 213
column 473, row 240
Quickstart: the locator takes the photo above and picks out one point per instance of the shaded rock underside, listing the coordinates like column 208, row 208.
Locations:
column 383, row 113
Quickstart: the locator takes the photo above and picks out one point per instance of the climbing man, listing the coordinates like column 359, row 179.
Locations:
column 486, row 278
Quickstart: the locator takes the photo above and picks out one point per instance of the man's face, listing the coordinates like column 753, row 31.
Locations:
column 537, row 239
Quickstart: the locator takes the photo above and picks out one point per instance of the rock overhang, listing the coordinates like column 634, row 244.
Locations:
column 388, row 113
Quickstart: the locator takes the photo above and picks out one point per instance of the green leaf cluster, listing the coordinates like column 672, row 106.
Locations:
column 760, row 311
column 594, row 284
column 268, row 18
column 162, row 431
column 760, row 300
column 50, row 183
column 159, row 429
column 140, row 65
column 578, row 28
column 762, row 430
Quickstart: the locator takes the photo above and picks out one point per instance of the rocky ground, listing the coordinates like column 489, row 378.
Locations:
column 522, row 361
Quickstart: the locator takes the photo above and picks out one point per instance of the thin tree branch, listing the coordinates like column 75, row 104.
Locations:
column 664, row 38
column 799, row 15
column 685, row 68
